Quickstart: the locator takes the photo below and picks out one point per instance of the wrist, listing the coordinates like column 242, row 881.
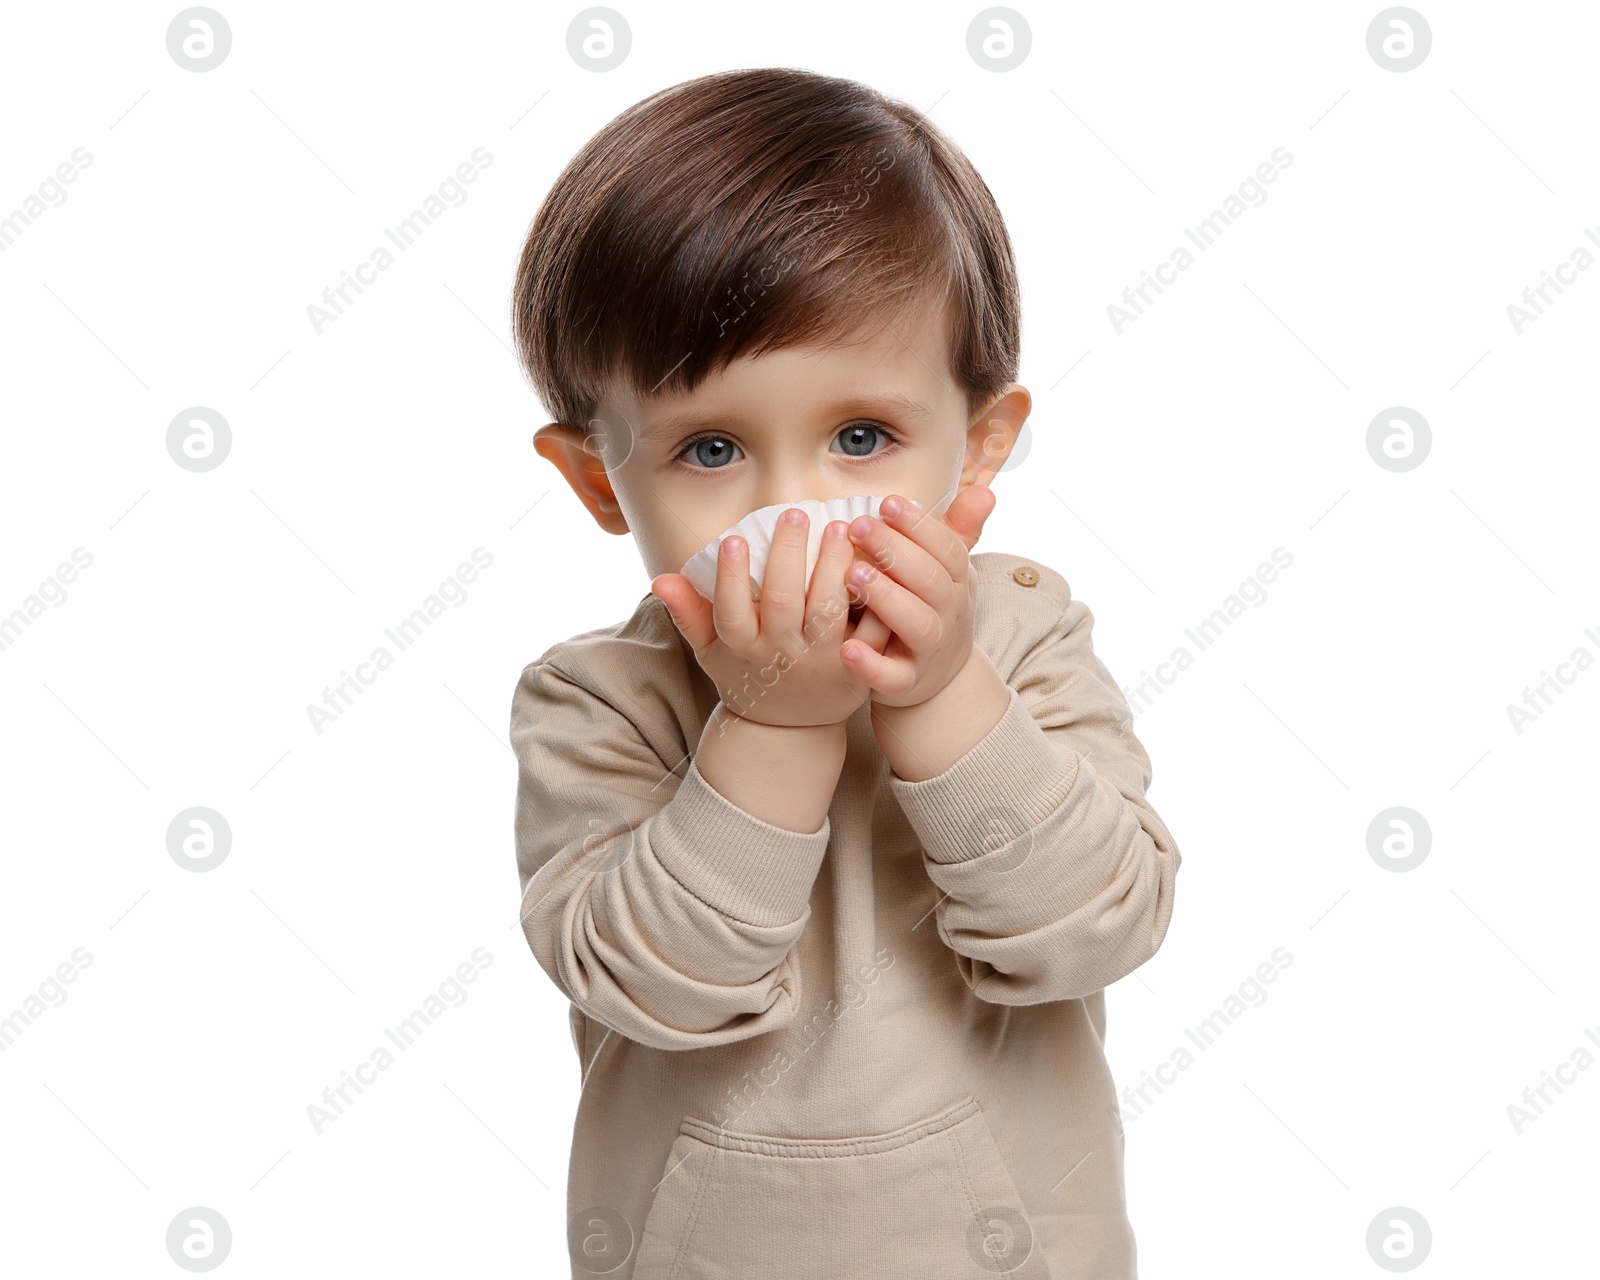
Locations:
column 784, row 775
column 962, row 687
column 926, row 738
column 727, row 720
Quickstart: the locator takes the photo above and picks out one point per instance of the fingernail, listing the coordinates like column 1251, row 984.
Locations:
column 861, row 526
column 889, row 507
column 792, row 516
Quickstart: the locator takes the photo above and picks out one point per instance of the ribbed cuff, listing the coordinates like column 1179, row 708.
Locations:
column 1011, row 780
column 744, row 867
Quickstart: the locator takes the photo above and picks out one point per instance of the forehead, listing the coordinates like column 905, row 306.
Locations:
column 897, row 364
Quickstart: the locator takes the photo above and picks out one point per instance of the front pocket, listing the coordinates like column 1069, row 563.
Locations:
column 929, row 1201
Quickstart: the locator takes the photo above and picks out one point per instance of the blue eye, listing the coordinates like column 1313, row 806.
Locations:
column 860, row 438
column 710, row 452
column 864, row 440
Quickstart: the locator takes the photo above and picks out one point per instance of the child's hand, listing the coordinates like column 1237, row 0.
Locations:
column 923, row 593
column 778, row 661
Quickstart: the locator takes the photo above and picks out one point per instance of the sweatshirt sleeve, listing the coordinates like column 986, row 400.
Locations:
column 1056, row 875
column 660, row 908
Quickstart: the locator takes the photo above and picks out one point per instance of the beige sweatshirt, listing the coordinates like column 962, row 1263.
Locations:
column 871, row 1051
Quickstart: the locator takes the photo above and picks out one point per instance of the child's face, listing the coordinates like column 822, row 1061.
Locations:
column 880, row 417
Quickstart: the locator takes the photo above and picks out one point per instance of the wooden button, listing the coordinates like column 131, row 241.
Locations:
column 1025, row 575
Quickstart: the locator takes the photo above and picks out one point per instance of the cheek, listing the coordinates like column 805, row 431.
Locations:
column 671, row 522
column 931, row 481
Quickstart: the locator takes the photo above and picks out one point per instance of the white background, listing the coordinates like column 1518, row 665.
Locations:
column 370, row 860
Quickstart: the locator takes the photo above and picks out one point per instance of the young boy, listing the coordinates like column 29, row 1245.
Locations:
column 833, row 879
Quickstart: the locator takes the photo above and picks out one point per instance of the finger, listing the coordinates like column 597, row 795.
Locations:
column 783, row 585
column 732, row 611
column 967, row 513
column 906, row 614
column 828, row 599
column 929, row 532
column 689, row 610
column 871, row 630
column 885, row 675
column 903, row 560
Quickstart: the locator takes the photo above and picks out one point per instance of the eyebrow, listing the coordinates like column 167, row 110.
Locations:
column 886, row 404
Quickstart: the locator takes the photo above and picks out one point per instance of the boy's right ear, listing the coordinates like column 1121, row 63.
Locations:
column 578, row 459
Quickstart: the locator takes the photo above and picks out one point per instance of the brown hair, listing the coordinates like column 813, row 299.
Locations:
column 752, row 210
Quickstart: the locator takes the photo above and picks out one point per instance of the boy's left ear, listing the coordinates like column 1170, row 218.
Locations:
column 993, row 433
